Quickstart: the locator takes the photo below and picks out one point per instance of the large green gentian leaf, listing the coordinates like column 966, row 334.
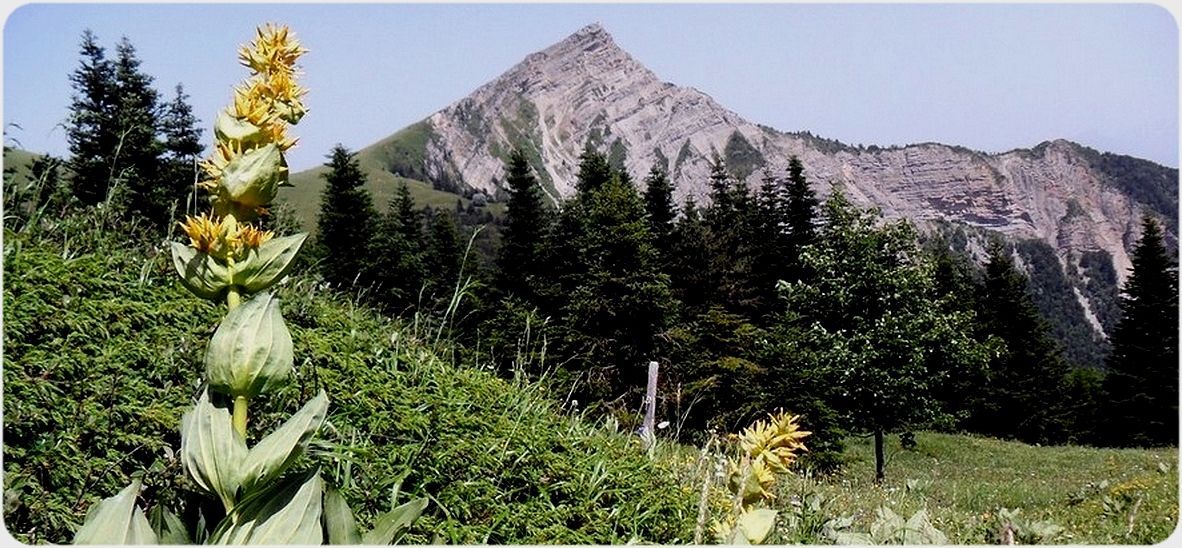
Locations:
column 285, row 513
column 116, row 520
column 271, row 456
column 212, row 452
column 251, row 351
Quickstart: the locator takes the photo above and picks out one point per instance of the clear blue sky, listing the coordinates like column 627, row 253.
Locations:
column 989, row 77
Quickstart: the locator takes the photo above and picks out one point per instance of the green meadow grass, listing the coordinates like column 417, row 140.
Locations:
column 962, row 481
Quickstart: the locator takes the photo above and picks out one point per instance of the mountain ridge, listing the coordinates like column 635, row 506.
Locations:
column 587, row 91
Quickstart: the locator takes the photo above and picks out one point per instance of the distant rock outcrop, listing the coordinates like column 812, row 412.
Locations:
column 587, row 90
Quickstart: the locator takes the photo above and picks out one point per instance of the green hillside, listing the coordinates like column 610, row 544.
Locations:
column 102, row 354
column 19, row 161
column 400, row 153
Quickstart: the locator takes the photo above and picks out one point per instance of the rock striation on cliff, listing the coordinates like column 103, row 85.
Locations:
column 587, row 91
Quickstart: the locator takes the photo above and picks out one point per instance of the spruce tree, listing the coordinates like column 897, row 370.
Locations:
column 519, row 259
column 398, row 253
column 182, row 144
column 689, row 271
column 594, row 171
column 660, row 211
column 801, row 207
column 137, row 159
column 734, row 242
column 1023, row 397
column 618, row 300
column 1142, row 380
column 347, row 221
column 443, row 255
column 771, row 246
column 90, row 130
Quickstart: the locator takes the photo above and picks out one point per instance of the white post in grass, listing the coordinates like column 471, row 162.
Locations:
column 650, row 405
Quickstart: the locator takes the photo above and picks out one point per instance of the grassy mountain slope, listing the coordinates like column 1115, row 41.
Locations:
column 394, row 160
column 20, row 161
column 102, row 354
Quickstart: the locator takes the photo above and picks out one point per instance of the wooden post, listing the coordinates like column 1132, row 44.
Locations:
column 650, row 403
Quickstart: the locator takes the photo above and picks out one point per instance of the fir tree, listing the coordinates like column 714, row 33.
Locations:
column 689, row 270
column 771, row 249
column 443, row 255
column 398, row 253
column 594, row 171
column 346, row 222
column 519, row 260
column 733, row 243
column 801, row 207
column 659, row 208
column 1023, row 395
column 137, row 159
column 91, row 131
column 1142, row 381
column 618, row 300
column 182, row 144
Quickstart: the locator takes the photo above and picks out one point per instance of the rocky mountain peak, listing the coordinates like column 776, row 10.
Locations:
column 585, row 90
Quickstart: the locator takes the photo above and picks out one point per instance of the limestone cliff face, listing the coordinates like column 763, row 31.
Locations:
column 585, row 89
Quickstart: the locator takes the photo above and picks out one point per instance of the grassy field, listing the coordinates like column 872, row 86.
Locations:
column 1097, row 496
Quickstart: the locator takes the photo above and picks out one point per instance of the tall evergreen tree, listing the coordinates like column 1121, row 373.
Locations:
column 137, row 158
column 660, row 211
column 594, row 171
column 733, row 242
column 347, row 221
column 1142, row 381
column 443, row 255
column 619, row 301
column 771, row 246
column 519, row 259
column 91, row 131
column 182, row 144
column 1024, row 394
column 398, row 253
column 801, row 206
column 689, row 271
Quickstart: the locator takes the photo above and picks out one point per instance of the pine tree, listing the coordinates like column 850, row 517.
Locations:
column 443, row 255
column 618, row 300
column 137, row 159
column 1142, row 381
column 91, row 131
column 659, row 208
column 519, row 259
column 346, row 222
column 1023, row 396
column 182, row 145
column 594, row 171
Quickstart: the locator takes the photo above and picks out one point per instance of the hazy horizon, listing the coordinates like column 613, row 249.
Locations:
column 987, row 77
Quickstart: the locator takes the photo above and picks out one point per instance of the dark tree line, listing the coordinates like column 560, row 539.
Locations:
column 129, row 146
column 769, row 298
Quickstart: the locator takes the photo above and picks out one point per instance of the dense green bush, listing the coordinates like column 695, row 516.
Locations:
column 102, row 353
